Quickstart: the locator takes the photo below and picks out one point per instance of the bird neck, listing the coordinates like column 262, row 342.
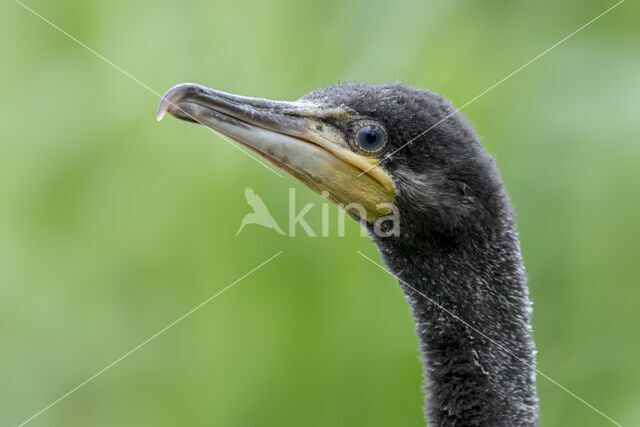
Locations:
column 470, row 303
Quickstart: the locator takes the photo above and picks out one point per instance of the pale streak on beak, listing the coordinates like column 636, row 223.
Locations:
column 292, row 136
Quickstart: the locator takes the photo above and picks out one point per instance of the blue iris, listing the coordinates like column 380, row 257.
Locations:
column 371, row 138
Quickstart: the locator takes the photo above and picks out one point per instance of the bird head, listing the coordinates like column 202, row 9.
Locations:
column 372, row 149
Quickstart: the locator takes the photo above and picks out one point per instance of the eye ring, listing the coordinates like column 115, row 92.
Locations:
column 370, row 138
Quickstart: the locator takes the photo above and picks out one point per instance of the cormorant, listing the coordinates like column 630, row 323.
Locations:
column 456, row 253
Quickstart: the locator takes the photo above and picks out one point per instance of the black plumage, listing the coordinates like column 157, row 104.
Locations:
column 457, row 254
column 458, row 247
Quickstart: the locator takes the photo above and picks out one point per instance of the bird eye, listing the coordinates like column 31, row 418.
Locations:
column 371, row 139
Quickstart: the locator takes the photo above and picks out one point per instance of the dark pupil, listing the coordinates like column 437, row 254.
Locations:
column 370, row 138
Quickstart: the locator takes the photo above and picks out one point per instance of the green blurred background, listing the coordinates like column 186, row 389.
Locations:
column 113, row 225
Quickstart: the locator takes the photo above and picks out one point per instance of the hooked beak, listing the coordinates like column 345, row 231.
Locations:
column 296, row 137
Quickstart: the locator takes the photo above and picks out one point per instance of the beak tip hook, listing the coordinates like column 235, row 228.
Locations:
column 162, row 109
